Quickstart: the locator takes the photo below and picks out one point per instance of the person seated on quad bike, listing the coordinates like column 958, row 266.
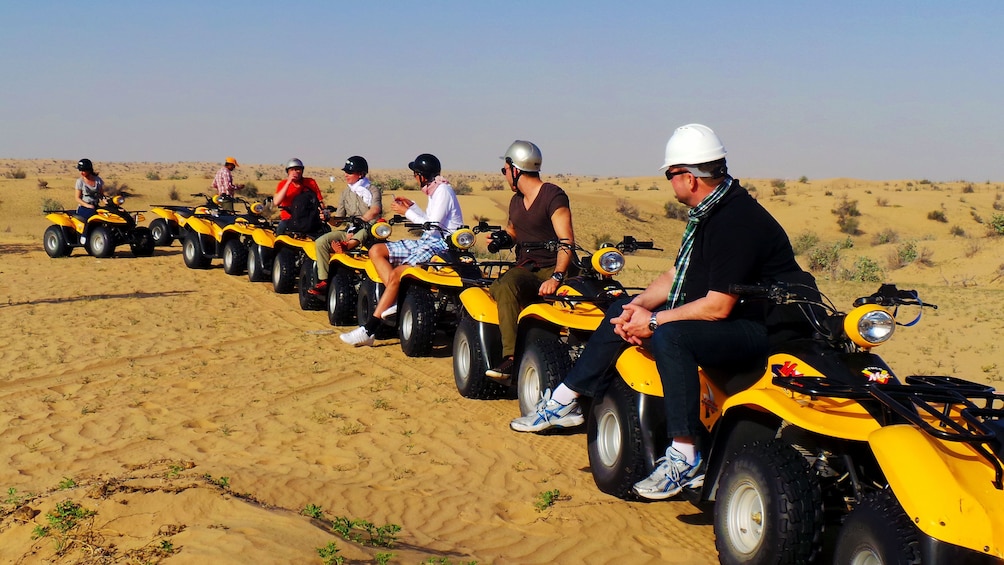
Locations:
column 392, row 258
column 538, row 212
column 686, row 317
column 89, row 190
column 286, row 193
column 361, row 199
column 223, row 182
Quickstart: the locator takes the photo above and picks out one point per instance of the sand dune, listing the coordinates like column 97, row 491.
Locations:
column 197, row 414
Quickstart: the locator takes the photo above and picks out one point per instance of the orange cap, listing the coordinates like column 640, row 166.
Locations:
column 232, row 161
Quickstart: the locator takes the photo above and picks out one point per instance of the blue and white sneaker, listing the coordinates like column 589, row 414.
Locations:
column 550, row 414
column 672, row 473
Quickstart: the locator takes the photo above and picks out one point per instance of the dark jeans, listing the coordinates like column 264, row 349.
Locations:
column 84, row 212
column 678, row 348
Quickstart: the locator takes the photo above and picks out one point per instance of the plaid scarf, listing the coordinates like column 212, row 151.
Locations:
column 696, row 214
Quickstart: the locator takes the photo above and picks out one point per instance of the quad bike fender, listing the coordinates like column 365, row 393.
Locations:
column 582, row 316
column 200, row 225
column 480, row 305
column 945, row 487
column 63, row 219
column 106, row 217
column 265, row 238
column 371, row 272
column 168, row 215
column 354, row 262
column 432, row 276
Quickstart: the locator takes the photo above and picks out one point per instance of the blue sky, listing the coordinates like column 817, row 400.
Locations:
column 874, row 90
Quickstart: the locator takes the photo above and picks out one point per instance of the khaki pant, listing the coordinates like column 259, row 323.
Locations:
column 323, row 247
column 516, row 289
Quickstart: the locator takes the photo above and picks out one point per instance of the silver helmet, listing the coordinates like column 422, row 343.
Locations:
column 294, row 162
column 524, row 155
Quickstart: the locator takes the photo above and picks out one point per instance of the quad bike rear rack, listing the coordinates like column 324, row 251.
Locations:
column 947, row 408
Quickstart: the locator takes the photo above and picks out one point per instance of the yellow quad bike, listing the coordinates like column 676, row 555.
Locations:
column 212, row 233
column 110, row 226
column 550, row 334
column 343, row 273
column 170, row 223
column 427, row 299
column 827, row 437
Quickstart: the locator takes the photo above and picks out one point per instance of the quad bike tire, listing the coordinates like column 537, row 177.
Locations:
column 284, row 271
column 256, row 264
column 544, row 363
column 191, row 251
column 470, row 364
column 769, row 507
column 142, row 244
column 235, row 257
column 100, row 242
column 877, row 530
column 308, row 276
column 341, row 299
column 614, row 441
column 416, row 322
column 366, row 301
column 55, row 242
column 161, row 232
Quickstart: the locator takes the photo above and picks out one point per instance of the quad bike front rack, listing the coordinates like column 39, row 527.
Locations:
column 947, row 408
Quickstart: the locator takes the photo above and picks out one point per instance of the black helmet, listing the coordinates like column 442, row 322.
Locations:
column 356, row 164
column 426, row 165
column 85, row 165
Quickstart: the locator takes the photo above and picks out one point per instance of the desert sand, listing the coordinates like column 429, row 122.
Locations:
column 196, row 417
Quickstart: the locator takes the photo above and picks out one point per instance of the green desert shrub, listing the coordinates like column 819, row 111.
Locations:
column 677, row 211
column 865, row 270
column 804, row 242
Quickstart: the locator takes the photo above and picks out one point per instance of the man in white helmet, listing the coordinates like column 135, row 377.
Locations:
column 538, row 212
column 686, row 317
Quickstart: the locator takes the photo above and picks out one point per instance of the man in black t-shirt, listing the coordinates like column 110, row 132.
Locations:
column 686, row 317
column 538, row 212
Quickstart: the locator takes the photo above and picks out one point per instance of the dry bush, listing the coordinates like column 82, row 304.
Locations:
column 957, row 231
column 938, row 216
column 43, row 184
column 973, row 246
column 494, row 184
column 173, row 194
column 627, row 209
column 462, row 187
column 677, row 211
column 882, row 202
column 968, row 188
column 887, row 235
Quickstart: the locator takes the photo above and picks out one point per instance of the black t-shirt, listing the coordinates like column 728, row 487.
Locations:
column 738, row 243
column 534, row 225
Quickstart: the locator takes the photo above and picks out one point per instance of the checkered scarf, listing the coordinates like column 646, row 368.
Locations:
column 696, row 214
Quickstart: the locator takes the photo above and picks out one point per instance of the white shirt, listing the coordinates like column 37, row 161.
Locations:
column 443, row 208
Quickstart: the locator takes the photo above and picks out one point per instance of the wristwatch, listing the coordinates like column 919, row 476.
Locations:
column 652, row 323
column 560, row 277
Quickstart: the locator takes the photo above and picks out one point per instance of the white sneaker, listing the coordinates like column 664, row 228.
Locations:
column 389, row 312
column 672, row 475
column 83, row 240
column 357, row 337
column 549, row 414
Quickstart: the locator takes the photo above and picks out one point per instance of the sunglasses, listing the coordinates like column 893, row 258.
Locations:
column 671, row 174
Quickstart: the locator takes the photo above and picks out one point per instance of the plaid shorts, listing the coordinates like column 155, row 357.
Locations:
column 415, row 251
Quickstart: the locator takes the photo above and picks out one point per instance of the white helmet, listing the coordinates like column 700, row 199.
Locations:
column 693, row 144
column 523, row 155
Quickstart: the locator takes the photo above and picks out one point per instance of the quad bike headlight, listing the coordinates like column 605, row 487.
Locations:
column 381, row 230
column 140, row 217
column 257, row 208
column 608, row 262
column 118, row 200
column 463, row 238
column 869, row 325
